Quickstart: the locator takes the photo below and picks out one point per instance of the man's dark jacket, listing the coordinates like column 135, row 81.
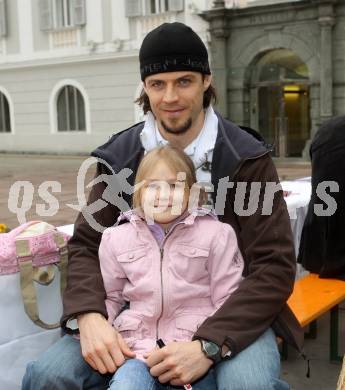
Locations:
column 265, row 241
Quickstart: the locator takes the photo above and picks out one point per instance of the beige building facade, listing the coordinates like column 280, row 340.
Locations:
column 69, row 70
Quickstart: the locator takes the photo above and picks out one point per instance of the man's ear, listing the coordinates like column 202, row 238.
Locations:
column 207, row 81
column 144, row 86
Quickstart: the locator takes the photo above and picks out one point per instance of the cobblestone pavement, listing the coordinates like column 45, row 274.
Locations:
column 37, row 169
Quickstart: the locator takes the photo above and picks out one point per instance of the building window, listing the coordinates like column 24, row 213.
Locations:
column 3, row 18
column 70, row 109
column 149, row 7
column 59, row 14
column 5, row 121
column 62, row 13
column 157, row 6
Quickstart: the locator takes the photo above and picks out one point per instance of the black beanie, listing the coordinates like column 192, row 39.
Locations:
column 172, row 47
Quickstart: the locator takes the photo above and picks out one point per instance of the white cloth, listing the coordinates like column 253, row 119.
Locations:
column 199, row 150
column 297, row 197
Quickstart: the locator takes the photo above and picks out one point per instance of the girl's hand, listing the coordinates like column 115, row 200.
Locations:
column 101, row 345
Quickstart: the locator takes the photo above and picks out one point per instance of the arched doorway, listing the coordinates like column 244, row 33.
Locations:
column 280, row 101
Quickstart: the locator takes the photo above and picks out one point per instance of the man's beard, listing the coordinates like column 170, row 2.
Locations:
column 178, row 130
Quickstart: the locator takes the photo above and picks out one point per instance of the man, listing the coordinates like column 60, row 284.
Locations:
column 237, row 341
column 322, row 246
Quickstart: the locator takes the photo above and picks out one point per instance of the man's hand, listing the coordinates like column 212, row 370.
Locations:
column 101, row 346
column 178, row 363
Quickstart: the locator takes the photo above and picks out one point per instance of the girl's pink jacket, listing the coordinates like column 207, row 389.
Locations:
column 172, row 288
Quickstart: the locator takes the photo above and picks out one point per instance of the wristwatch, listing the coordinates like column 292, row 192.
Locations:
column 211, row 350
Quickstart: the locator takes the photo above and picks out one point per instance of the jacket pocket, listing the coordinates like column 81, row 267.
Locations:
column 192, row 251
column 187, row 325
column 190, row 262
column 132, row 255
column 136, row 263
column 129, row 326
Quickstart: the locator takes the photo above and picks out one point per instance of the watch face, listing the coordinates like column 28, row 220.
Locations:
column 211, row 349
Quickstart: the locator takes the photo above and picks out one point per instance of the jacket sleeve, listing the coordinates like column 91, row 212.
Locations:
column 226, row 266
column 267, row 247
column 85, row 290
column 113, row 276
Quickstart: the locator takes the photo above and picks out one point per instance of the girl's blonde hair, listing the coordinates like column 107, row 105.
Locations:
column 175, row 159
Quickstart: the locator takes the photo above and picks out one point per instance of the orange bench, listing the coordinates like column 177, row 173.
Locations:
column 313, row 297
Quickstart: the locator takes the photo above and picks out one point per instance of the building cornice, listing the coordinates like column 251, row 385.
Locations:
column 81, row 58
column 263, row 14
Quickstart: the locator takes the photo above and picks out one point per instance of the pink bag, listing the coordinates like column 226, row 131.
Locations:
column 33, row 267
column 26, row 250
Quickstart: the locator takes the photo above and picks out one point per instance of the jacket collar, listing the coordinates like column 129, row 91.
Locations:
column 136, row 216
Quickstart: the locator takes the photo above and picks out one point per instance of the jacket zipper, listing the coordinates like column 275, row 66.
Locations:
column 161, row 250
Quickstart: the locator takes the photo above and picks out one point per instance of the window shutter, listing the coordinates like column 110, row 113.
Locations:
column 133, row 8
column 46, row 14
column 3, row 19
column 176, row 5
column 79, row 12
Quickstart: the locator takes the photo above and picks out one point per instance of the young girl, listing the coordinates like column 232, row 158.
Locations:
column 174, row 265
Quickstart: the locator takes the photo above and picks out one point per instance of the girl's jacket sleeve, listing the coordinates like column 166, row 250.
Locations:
column 113, row 276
